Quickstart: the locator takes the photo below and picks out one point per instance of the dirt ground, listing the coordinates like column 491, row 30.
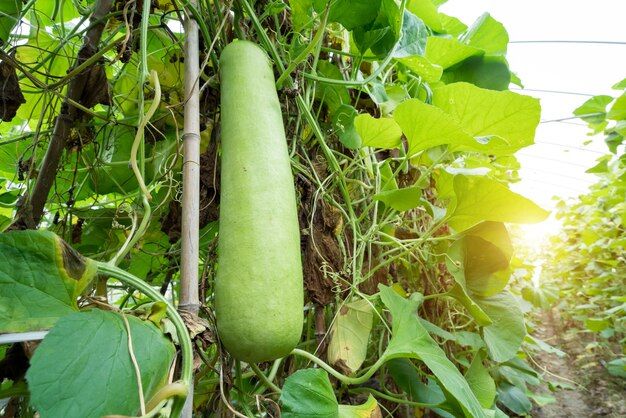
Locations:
column 591, row 391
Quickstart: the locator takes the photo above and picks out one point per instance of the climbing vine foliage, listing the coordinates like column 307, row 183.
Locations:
column 402, row 135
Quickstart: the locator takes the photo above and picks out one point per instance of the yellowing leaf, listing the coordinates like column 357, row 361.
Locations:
column 349, row 335
column 369, row 409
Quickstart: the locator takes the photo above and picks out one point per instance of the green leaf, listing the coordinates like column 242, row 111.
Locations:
column 83, row 367
column 331, row 95
column 377, row 132
column 401, row 199
column 301, row 13
column 482, row 251
column 406, row 376
column 479, row 199
column 411, row 340
column 597, row 324
column 617, row 367
column 447, row 52
column 481, row 382
column 421, row 66
column 593, row 111
column 40, row 279
column 369, row 409
column 49, row 10
column 483, row 71
column 308, row 394
column 426, row 126
column 601, row 167
column 514, row 399
column 414, row 34
column 427, row 11
column 343, row 122
column 620, row 85
column 618, row 110
column 506, row 334
column 460, row 293
column 9, row 14
column 351, row 13
column 349, row 335
column 489, row 35
column 40, row 49
column 484, row 113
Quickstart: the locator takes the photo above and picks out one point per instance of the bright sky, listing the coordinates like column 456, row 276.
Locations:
column 556, row 164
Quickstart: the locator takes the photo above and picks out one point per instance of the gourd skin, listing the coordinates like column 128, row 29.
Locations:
column 259, row 292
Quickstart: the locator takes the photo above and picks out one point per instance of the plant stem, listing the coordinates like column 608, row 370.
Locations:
column 264, row 378
column 341, row 377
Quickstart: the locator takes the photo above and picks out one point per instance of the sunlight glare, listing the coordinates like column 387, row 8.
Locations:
column 534, row 236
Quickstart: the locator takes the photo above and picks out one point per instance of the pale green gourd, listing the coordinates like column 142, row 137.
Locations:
column 258, row 288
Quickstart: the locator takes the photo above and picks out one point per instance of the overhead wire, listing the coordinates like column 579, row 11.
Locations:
column 566, row 41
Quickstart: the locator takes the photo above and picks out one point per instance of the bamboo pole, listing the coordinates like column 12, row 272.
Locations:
column 189, row 298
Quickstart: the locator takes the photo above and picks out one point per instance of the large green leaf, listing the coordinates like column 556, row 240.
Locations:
column 83, row 366
column 411, row 340
column 486, row 113
column 479, row 199
column 506, row 334
column 426, row 126
column 40, row 279
column 349, row 335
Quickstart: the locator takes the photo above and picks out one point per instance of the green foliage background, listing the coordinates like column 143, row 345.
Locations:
column 402, row 136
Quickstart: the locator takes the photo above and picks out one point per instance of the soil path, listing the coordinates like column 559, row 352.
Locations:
column 592, row 391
